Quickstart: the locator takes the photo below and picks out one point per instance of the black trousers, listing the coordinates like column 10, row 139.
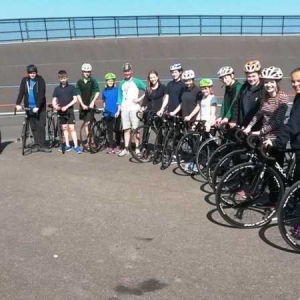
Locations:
column 37, row 124
column 113, row 126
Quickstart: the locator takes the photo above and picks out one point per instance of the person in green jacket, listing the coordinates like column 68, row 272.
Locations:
column 226, row 76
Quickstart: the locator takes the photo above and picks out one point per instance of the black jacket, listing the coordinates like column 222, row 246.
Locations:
column 247, row 105
column 39, row 91
column 291, row 130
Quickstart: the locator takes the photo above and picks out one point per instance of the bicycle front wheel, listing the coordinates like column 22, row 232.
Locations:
column 51, row 132
column 289, row 217
column 247, row 195
column 186, row 152
column 97, row 137
column 144, row 151
column 168, row 150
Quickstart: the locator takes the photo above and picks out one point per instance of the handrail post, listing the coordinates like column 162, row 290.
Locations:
column 262, row 25
column 93, row 27
column 200, row 24
column 242, row 25
column 137, row 25
column 282, row 28
column 21, row 31
column 221, row 19
column 159, row 25
column 70, row 30
column 46, row 31
column 179, row 25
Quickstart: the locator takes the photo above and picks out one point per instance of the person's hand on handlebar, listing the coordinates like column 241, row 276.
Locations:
column 247, row 130
column 64, row 108
column 35, row 110
column 255, row 132
column 217, row 122
column 18, row 107
column 160, row 113
column 172, row 113
column 187, row 118
column 84, row 107
column 267, row 143
column 224, row 121
column 232, row 124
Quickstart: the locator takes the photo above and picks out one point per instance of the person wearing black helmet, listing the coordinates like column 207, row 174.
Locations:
column 32, row 90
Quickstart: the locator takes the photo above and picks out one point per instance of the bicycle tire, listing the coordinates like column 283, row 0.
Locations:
column 186, row 152
column 84, row 136
column 248, row 211
column 147, row 136
column 51, row 132
column 60, row 134
column 203, row 154
column 215, row 157
column 159, row 143
column 224, row 164
column 289, row 217
column 24, row 136
column 97, row 137
column 168, row 149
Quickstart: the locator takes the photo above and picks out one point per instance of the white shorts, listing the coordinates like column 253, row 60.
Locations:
column 129, row 119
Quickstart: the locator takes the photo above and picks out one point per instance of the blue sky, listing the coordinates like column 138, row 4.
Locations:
column 80, row 8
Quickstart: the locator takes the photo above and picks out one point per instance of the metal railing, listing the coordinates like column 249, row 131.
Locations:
column 22, row 30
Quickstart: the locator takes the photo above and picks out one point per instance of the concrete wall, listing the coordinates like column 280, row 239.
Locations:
column 203, row 54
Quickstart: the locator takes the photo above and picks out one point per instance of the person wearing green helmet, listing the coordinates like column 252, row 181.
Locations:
column 110, row 113
column 208, row 103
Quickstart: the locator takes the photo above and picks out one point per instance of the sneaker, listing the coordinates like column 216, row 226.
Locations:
column 78, row 150
column 109, row 150
column 241, row 193
column 67, row 149
column 123, row 153
column 116, row 150
column 137, row 151
column 174, row 160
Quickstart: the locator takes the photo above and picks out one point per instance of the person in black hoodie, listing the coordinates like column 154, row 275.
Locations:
column 249, row 99
column 33, row 90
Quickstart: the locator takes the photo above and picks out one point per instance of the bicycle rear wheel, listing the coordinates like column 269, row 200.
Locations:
column 144, row 152
column 243, row 195
column 289, row 217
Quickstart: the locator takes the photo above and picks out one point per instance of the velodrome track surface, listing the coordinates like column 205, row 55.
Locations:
column 203, row 54
column 99, row 227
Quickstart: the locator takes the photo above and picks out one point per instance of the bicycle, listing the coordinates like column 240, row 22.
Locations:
column 248, row 194
column 146, row 135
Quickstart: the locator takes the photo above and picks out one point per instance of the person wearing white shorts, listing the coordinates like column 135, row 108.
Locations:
column 129, row 104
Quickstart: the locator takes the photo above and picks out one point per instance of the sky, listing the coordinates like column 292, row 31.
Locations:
column 11, row 9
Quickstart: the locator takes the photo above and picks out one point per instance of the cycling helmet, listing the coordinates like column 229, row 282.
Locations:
column 127, row 67
column 205, row 82
column 31, row 69
column 226, row 70
column 272, row 73
column 252, row 66
column 175, row 67
column 110, row 76
column 188, row 74
column 86, row 67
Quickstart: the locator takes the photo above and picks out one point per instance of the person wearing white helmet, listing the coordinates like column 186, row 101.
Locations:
column 232, row 89
column 273, row 108
column 174, row 90
column 190, row 98
column 249, row 99
column 87, row 91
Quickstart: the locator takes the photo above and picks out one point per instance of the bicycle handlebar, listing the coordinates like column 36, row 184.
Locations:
column 263, row 153
column 240, row 135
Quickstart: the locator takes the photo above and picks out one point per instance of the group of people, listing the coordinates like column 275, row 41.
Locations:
column 258, row 105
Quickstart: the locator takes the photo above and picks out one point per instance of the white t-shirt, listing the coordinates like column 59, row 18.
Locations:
column 205, row 105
